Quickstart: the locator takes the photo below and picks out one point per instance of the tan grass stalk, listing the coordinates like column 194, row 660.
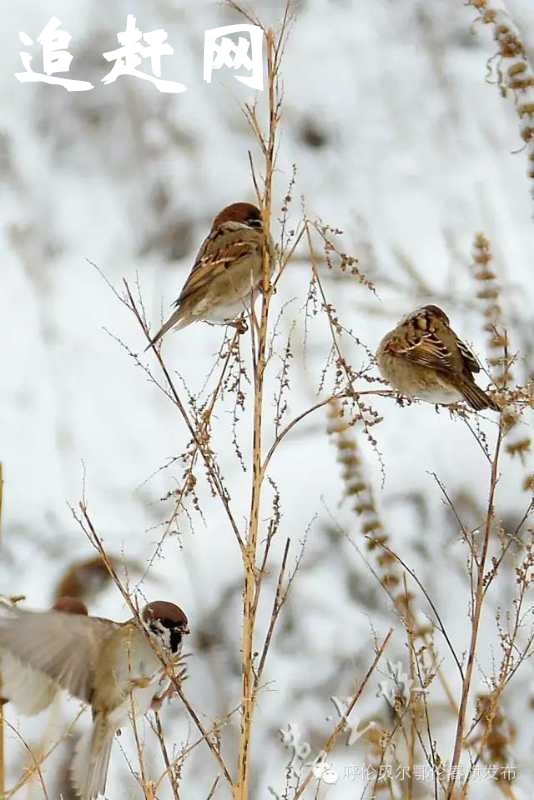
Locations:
column 500, row 360
column 515, row 76
column 338, row 730
column 252, row 580
column 479, row 598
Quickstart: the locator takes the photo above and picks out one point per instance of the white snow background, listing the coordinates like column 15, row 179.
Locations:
column 412, row 153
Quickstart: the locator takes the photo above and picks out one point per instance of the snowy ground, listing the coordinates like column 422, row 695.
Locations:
column 399, row 141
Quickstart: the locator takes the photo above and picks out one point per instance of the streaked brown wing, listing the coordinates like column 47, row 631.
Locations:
column 207, row 269
column 63, row 646
column 423, row 348
column 213, row 258
column 470, row 360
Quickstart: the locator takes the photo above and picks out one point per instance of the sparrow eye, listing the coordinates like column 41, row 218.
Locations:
column 254, row 222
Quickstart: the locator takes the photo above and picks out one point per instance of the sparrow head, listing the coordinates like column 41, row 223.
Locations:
column 435, row 311
column 166, row 621
column 242, row 213
column 424, row 313
column 70, row 605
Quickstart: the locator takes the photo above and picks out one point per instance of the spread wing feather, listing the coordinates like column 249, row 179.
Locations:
column 63, row 646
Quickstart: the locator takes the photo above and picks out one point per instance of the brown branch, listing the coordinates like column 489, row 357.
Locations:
column 170, row 769
column 208, row 460
column 87, row 526
column 475, row 623
column 279, row 600
column 251, row 588
column 330, row 742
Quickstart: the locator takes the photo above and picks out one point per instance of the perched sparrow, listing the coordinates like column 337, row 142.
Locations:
column 422, row 357
column 29, row 690
column 113, row 666
column 226, row 273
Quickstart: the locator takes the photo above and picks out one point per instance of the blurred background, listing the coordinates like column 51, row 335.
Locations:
column 399, row 139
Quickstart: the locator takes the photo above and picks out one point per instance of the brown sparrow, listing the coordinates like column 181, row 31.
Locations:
column 86, row 579
column 29, row 690
column 422, row 357
column 226, row 273
column 113, row 666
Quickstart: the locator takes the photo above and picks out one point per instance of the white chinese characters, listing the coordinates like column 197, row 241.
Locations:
column 227, row 53
column 56, row 58
column 219, row 51
column 128, row 57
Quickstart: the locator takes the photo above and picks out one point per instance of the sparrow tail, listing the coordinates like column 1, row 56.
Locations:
column 477, row 397
column 174, row 321
column 91, row 761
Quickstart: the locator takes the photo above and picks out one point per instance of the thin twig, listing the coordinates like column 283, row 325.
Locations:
column 170, row 769
column 475, row 622
column 330, row 742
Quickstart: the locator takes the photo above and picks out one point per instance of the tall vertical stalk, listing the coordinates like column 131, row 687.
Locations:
column 476, row 617
column 259, row 346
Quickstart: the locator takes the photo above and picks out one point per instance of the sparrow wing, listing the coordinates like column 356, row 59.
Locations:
column 422, row 347
column 470, row 361
column 30, row 691
column 221, row 249
column 224, row 247
column 63, row 646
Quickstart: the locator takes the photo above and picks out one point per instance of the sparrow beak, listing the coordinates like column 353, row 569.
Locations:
column 186, row 631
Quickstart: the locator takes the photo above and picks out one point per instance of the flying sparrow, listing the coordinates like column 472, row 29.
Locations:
column 29, row 690
column 227, row 271
column 422, row 357
column 116, row 667
column 87, row 578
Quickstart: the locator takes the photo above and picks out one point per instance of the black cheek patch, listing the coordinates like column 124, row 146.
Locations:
column 176, row 639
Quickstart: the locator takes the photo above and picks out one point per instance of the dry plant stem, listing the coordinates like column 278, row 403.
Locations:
column 194, row 435
column 190, row 470
column 332, row 739
column 139, row 747
column 40, row 760
column 169, row 767
column 321, row 404
column 278, row 602
column 251, row 584
column 476, row 616
column 88, row 528
column 36, row 768
column 185, row 752
column 205, row 734
column 440, row 625
column 213, row 788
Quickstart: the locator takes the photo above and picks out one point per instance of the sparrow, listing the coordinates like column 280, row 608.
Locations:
column 31, row 691
column 226, row 273
column 86, row 579
column 115, row 667
column 422, row 357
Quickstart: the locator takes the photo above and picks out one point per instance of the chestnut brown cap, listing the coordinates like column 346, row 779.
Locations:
column 166, row 613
